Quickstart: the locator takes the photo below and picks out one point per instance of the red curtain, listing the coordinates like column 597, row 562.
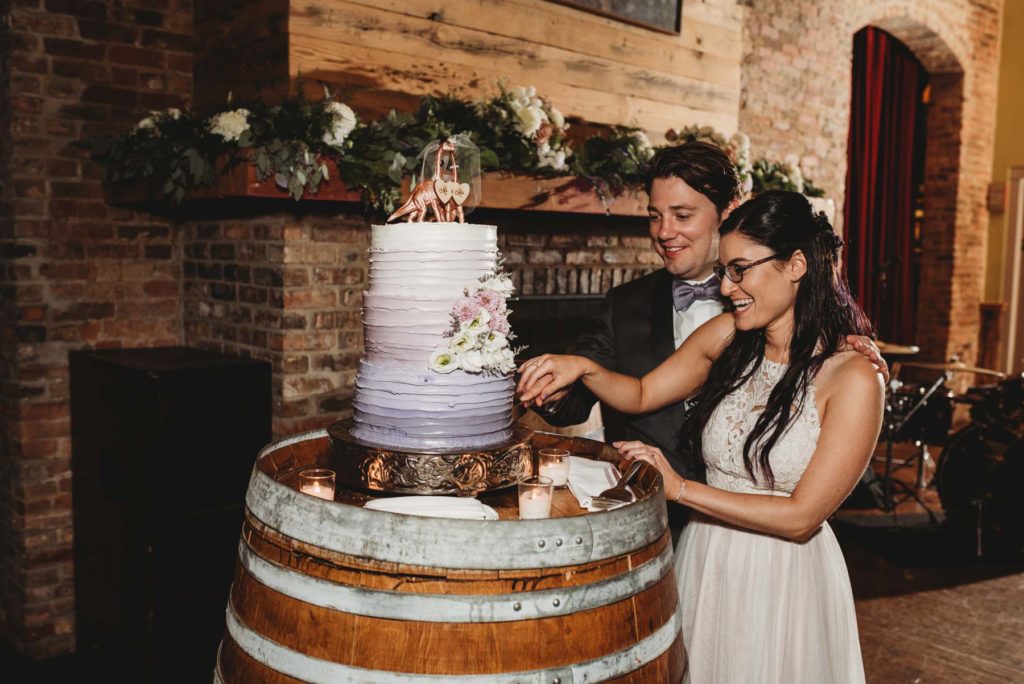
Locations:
column 886, row 161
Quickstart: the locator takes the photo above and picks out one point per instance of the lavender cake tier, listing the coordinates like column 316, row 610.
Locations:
column 417, row 272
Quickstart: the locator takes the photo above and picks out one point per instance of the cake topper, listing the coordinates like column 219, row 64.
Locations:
column 450, row 188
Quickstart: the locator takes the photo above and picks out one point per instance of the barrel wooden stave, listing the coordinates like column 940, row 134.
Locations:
column 322, row 643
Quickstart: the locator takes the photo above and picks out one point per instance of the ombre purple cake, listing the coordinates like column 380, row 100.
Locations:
column 418, row 271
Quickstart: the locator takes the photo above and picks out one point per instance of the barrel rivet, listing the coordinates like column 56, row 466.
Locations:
column 558, row 542
column 542, row 543
column 556, row 603
column 579, row 540
column 517, row 606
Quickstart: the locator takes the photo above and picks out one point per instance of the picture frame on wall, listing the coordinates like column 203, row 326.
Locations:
column 657, row 15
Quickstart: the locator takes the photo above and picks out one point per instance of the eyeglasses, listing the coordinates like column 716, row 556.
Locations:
column 734, row 272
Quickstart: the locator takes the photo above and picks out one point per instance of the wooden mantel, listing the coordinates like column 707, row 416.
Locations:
column 499, row 191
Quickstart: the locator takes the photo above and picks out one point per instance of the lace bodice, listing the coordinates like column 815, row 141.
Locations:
column 734, row 419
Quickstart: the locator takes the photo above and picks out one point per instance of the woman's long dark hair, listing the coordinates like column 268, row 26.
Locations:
column 825, row 313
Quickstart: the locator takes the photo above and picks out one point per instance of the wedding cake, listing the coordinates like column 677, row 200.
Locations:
column 436, row 374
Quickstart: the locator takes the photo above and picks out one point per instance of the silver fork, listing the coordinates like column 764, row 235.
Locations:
column 618, row 495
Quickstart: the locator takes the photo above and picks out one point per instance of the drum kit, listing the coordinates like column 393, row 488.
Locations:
column 981, row 465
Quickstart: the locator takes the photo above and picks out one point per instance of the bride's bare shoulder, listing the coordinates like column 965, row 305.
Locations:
column 850, row 371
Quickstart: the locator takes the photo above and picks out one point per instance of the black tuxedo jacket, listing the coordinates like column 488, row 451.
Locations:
column 633, row 335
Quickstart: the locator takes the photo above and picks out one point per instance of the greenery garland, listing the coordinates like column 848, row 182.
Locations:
column 516, row 131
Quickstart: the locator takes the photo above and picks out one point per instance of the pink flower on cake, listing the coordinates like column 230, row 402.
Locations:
column 499, row 324
column 491, row 300
column 466, row 309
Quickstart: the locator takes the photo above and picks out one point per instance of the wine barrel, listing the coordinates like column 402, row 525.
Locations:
column 327, row 591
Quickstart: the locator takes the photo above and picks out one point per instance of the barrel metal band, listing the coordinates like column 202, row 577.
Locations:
column 454, row 607
column 451, row 543
column 317, row 671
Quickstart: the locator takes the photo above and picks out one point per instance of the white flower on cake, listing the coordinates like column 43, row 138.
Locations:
column 230, row 125
column 479, row 323
column 495, row 341
column 501, row 284
column 472, row 361
column 441, row 361
column 480, row 337
column 462, row 342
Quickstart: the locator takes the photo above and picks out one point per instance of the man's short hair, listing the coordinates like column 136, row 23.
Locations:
column 702, row 166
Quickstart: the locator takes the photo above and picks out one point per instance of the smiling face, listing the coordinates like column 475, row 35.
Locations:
column 684, row 226
column 765, row 296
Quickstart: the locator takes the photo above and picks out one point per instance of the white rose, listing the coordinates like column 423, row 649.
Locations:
column 556, row 117
column 462, row 341
column 643, row 144
column 230, row 125
column 495, row 341
column 343, row 123
column 501, row 284
column 479, row 324
column 530, row 120
column 443, row 361
column 556, row 160
column 519, row 98
column 472, row 361
column 174, row 113
column 508, row 360
column 491, row 358
column 146, row 124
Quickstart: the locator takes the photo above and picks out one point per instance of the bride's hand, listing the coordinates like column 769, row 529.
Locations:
column 543, row 376
column 636, row 450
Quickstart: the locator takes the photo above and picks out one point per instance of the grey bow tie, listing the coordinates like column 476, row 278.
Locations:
column 684, row 294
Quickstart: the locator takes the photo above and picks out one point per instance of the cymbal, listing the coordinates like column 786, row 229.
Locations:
column 956, row 367
column 896, row 349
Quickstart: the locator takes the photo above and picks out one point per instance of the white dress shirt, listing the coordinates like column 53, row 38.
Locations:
column 700, row 312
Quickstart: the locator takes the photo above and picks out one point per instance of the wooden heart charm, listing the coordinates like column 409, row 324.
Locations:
column 443, row 190
column 451, row 190
column 460, row 192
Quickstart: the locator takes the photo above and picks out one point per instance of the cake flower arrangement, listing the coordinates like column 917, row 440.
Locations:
column 479, row 340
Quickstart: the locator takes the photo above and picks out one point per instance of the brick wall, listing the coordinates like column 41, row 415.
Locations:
column 796, row 99
column 287, row 288
column 77, row 273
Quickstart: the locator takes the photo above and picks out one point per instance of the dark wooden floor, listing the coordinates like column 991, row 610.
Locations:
column 930, row 611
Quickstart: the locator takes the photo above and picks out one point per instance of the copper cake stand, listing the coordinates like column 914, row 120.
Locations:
column 382, row 469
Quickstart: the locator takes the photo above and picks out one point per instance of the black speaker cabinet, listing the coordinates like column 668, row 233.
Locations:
column 163, row 443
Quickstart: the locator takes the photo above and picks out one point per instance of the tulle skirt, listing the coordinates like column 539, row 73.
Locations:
column 765, row 610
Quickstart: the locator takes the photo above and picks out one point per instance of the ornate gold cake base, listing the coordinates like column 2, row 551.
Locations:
column 367, row 466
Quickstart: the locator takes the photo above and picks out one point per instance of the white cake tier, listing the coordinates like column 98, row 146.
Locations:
column 417, row 272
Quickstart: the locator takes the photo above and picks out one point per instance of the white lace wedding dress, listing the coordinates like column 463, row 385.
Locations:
column 758, row 608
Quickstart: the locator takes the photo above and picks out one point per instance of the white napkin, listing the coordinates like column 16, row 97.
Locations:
column 589, row 478
column 435, row 507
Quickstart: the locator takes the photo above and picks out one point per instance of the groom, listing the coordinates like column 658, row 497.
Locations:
column 692, row 189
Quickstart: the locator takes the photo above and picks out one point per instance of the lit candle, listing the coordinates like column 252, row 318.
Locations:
column 535, row 498
column 318, row 482
column 554, row 463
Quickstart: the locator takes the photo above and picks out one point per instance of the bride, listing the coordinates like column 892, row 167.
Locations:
column 785, row 419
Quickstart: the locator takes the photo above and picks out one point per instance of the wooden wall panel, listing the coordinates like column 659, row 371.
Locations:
column 386, row 53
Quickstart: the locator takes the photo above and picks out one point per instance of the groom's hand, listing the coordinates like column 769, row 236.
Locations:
column 867, row 347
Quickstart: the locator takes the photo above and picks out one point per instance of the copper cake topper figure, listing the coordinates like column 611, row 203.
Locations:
column 443, row 197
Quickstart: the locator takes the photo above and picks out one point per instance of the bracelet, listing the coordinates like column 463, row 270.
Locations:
column 682, row 488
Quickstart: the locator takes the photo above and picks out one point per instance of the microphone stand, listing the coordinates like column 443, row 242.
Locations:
column 894, row 429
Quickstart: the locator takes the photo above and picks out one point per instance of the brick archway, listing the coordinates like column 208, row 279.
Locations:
column 953, row 232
